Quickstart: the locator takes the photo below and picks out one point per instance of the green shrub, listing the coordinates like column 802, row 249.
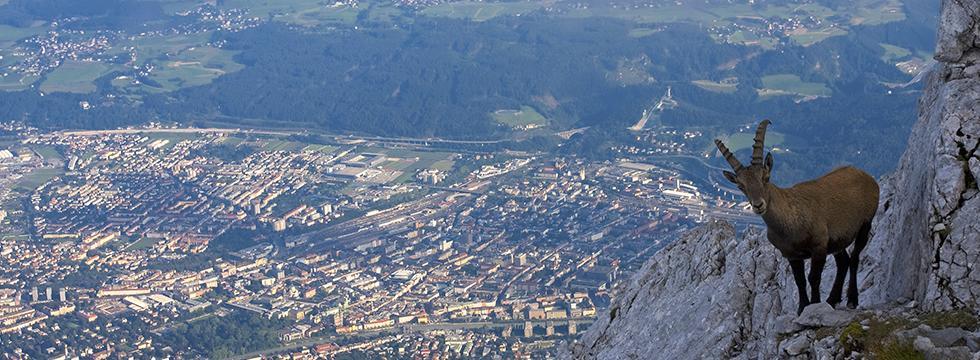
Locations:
column 853, row 337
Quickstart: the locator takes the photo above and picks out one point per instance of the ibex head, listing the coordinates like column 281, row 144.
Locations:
column 754, row 179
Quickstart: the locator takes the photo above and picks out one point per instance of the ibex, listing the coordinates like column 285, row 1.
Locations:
column 811, row 219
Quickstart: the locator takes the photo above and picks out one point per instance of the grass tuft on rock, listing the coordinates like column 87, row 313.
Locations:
column 878, row 340
column 874, row 339
column 852, row 338
column 896, row 350
column 960, row 318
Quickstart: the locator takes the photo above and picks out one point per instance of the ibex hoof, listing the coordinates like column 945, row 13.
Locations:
column 833, row 303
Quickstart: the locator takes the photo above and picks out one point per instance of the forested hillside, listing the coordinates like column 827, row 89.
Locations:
column 435, row 76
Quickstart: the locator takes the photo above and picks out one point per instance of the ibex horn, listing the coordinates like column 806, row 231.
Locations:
column 760, row 140
column 732, row 160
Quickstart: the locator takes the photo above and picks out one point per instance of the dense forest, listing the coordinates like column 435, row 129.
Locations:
column 90, row 13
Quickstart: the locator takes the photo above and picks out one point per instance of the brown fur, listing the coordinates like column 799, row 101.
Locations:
column 822, row 215
column 812, row 219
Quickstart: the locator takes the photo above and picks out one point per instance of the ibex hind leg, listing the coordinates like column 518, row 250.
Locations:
column 843, row 264
column 859, row 243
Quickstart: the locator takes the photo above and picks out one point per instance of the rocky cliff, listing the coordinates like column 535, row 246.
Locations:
column 927, row 236
column 710, row 294
column 713, row 294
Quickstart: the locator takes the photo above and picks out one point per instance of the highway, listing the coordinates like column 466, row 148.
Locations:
column 403, row 140
column 177, row 130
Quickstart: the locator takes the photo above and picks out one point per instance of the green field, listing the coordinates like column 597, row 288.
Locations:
column 519, row 118
column 48, row 152
column 9, row 34
column 894, row 53
column 272, row 8
column 142, row 243
column 788, row 84
column 399, row 165
column 444, row 165
column 74, row 77
column 877, row 12
column 178, row 61
column 36, row 178
column 194, row 66
column 693, row 12
column 481, row 11
column 666, row 14
column 642, row 31
column 739, row 141
column 865, row 12
column 750, row 39
column 406, row 153
column 282, row 145
column 726, row 86
column 311, row 12
column 153, row 47
column 321, row 15
column 231, row 140
column 327, row 149
column 16, row 82
column 810, row 37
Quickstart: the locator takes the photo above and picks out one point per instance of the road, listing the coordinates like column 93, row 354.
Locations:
column 405, row 140
column 178, row 130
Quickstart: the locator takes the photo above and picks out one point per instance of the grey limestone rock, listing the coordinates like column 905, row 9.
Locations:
column 925, row 237
column 713, row 294
column 823, row 315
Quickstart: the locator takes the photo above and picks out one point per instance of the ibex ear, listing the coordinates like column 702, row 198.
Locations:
column 730, row 176
column 769, row 161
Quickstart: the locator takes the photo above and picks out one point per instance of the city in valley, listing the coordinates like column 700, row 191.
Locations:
column 128, row 242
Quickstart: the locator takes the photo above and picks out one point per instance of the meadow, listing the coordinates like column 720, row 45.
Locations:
column 788, row 84
column 525, row 116
column 726, row 86
column 481, row 11
column 75, row 77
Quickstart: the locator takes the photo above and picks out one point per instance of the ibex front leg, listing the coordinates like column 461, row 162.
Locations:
column 799, row 274
column 816, row 270
column 818, row 257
